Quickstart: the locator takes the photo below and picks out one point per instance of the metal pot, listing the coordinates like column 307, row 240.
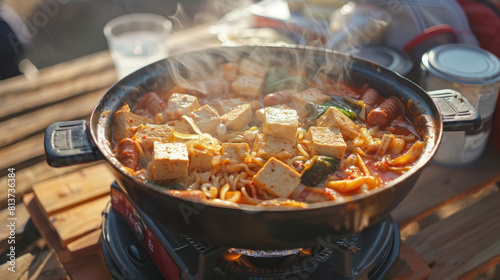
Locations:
column 69, row 143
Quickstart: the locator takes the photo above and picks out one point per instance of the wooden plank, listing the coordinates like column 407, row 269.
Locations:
column 34, row 122
column 439, row 185
column 65, row 71
column 89, row 242
column 43, row 225
column 73, row 189
column 465, row 244
column 21, row 103
column 194, row 38
column 78, row 221
column 91, row 266
column 21, row 215
column 409, row 266
column 22, row 264
column 21, row 152
column 45, row 266
column 400, row 271
column 420, row 269
column 26, row 177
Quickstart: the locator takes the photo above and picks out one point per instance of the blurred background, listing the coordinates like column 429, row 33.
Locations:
column 65, row 29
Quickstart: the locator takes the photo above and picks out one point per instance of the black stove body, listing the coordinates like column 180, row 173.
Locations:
column 134, row 247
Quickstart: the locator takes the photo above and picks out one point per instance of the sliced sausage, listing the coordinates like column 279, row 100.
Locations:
column 151, row 102
column 371, row 98
column 127, row 153
column 384, row 113
column 276, row 98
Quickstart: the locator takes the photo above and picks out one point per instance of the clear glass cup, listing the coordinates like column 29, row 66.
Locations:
column 136, row 40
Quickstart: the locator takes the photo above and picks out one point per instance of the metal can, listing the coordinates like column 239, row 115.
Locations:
column 475, row 73
column 391, row 58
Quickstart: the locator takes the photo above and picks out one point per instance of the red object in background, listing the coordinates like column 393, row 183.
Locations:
column 484, row 21
column 429, row 33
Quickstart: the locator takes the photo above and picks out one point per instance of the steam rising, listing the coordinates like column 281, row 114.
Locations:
column 205, row 65
column 356, row 24
column 183, row 69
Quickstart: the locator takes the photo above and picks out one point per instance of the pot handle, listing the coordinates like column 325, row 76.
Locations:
column 70, row 143
column 457, row 112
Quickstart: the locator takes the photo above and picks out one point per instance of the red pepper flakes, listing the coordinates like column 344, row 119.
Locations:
column 131, row 120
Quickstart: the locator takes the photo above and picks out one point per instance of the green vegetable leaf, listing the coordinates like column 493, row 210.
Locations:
column 317, row 110
column 278, row 78
column 319, row 169
column 343, row 107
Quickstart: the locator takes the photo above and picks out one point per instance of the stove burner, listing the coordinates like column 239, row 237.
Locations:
column 265, row 253
column 135, row 247
column 264, row 258
column 252, row 260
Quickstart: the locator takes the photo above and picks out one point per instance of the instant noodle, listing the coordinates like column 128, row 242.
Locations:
column 266, row 135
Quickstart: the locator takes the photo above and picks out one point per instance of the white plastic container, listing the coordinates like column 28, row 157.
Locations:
column 475, row 73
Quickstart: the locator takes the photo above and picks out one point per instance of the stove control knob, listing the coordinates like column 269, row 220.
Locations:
column 139, row 228
column 137, row 255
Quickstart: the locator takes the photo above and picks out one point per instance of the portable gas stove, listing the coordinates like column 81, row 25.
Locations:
column 134, row 247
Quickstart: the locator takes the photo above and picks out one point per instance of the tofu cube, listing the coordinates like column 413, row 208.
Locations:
column 247, row 86
column 238, row 118
column 335, row 118
column 277, row 178
column 253, row 68
column 233, row 155
column 170, row 162
column 280, row 123
column 149, row 133
column 183, row 127
column 326, row 141
column 200, row 160
column 302, row 98
column 206, row 118
column 267, row 146
column 312, row 95
column 226, row 105
column 230, row 70
column 126, row 122
column 181, row 104
column 260, row 113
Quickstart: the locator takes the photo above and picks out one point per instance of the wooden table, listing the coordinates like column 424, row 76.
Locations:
column 450, row 222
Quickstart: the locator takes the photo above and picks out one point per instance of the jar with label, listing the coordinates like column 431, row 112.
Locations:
column 475, row 73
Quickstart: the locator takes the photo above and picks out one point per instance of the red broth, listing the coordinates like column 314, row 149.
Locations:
column 261, row 135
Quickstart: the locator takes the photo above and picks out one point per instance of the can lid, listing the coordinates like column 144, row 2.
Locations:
column 385, row 56
column 462, row 63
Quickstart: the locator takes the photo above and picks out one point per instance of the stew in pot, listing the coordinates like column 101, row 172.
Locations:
column 267, row 136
